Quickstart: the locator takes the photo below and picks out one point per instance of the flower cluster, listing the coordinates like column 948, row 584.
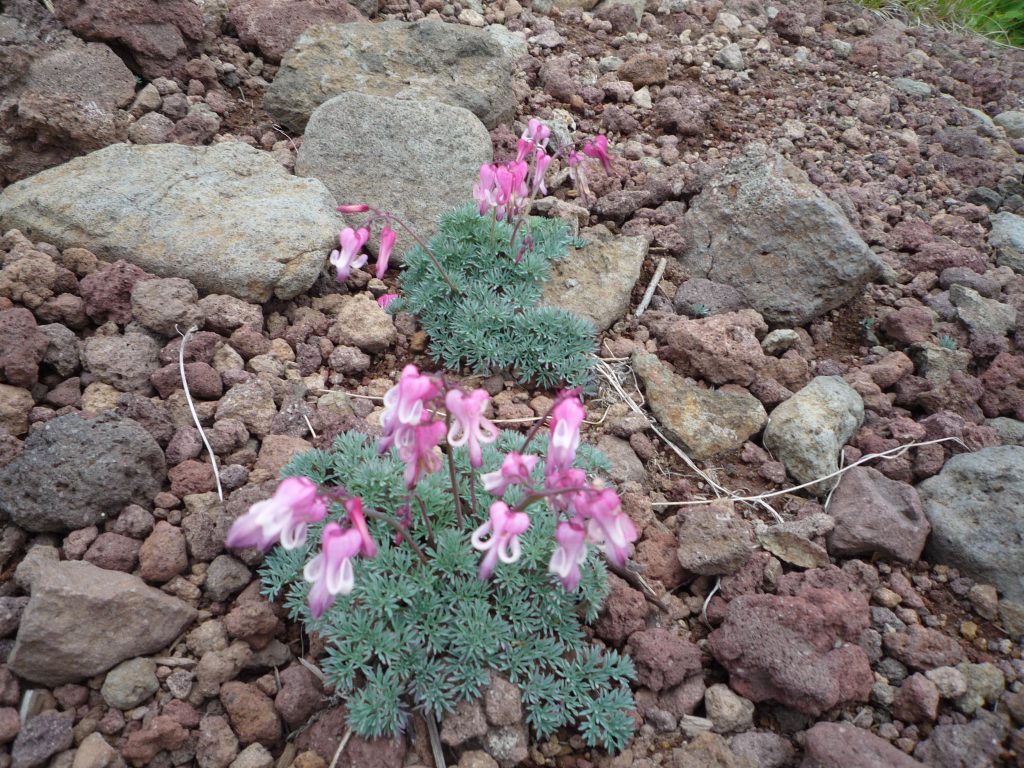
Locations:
column 349, row 255
column 508, row 189
column 412, row 423
column 594, row 514
column 283, row 519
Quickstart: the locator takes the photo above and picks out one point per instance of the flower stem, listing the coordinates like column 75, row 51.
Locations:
column 398, row 528
column 536, row 495
column 472, row 490
column 426, row 519
column 427, row 250
column 451, row 474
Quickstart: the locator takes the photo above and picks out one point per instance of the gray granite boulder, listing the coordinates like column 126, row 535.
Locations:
column 427, row 60
column 417, row 159
column 227, row 217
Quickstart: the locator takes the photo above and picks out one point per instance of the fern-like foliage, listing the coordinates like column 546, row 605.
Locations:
column 493, row 322
column 425, row 636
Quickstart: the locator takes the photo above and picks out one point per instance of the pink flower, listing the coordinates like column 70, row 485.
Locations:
column 499, row 537
column 523, row 147
column 469, row 425
column 538, row 132
column 483, row 191
column 353, row 208
column 607, row 523
column 416, row 449
column 330, row 572
column 541, row 161
column 564, row 484
column 384, row 301
column 598, row 148
column 387, row 242
column 348, row 257
column 569, row 554
column 511, row 181
column 283, row 517
column 404, row 404
column 535, row 136
column 564, row 438
column 367, row 546
column 515, row 470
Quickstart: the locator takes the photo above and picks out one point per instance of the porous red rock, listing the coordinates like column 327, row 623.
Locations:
column 623, row 613
column 22, row 346
column 663, row 659
column 157, row 34
column 840, row 745
column 273, row 26
column 251, row 712
column 790, row 650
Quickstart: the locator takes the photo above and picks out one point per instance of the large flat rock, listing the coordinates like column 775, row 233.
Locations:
column 82, row 620
column 417, row 159
column 226, row 217
column 596, row 281
column 762, row 227
column 706, row 422
column 427, row 60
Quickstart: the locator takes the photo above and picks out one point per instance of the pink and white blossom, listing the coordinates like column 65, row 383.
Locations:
column 562, row 486
column 468, row 426
column 564, row 437
column 606, row 523
column 484, row 191
column 348, row 257
column 416, row 449
column 515, row 470
column 570, row 553
column 282, row 518
column 387, row 242
column 331, row 572
column 404, row 404
column 499, row 537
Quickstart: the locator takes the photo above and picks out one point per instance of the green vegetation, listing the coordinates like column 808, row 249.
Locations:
column 1000, row 20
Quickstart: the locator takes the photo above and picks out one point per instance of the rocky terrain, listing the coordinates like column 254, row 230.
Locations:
column 838, row 200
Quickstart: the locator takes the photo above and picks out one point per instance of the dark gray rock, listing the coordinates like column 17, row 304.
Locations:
column 974, row 506
column 73, row 471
